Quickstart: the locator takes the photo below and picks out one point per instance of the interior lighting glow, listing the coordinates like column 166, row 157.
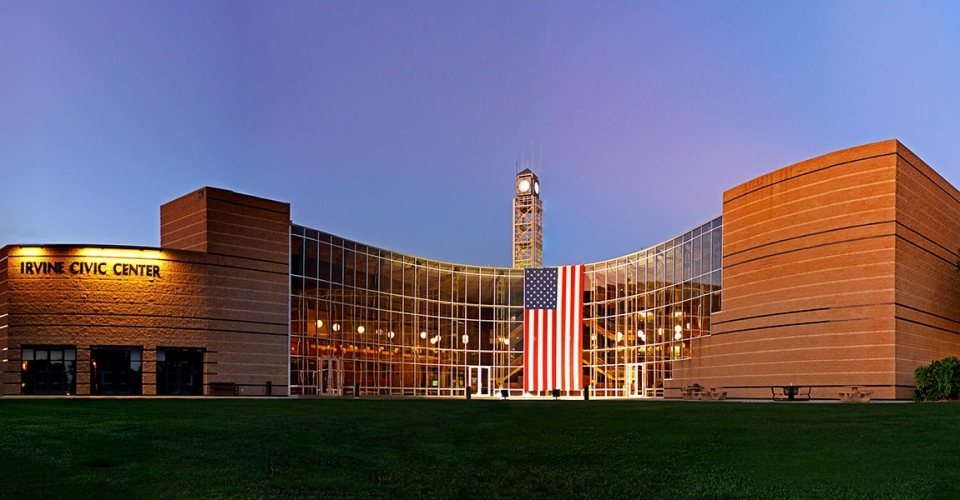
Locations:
column 423, row 335
column 28, row 252
column 678, row 336
column 120, row 253
column 319, row 324
column 336, row 327
column 465, row 338
column 390, row 334
column 619, row 336
column 643, row 336
column 678, row 329
column 361, row 329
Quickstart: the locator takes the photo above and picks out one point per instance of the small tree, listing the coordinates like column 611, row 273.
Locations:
column 938, row 381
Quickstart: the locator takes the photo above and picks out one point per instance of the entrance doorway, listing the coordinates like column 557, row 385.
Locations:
column 636, row 380
column 329, row 376
column 479, row 380
column 115, row 371
column 180, row 372
column 48, row 370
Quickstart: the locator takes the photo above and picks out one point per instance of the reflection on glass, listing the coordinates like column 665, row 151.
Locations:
column 378, row 322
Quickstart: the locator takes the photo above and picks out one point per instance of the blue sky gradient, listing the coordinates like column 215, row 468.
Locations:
column 399, row 124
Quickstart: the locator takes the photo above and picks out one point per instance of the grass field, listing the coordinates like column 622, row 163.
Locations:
column 233, row 448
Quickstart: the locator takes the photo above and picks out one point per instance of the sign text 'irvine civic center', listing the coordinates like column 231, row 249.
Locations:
column 88, row 268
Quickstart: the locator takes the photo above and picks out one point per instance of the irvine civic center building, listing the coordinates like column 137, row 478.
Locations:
column 836, row 272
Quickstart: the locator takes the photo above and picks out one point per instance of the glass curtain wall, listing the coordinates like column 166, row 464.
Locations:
column 374, row 322
column 642, row 311
column 378, row 322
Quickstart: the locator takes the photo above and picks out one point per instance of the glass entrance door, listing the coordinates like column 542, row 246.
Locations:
column 48, row 370
column 329, row 376
column 180, row 372
column 115, row 371
column 636, row 380
column 479, row 380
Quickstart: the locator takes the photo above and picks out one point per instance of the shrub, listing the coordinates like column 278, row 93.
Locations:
column 937, row 381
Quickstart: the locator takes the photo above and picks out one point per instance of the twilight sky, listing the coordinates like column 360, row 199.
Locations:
column 399, row 124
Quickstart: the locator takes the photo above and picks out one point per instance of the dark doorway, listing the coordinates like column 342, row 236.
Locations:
column 180, row 372
column 48, row 370
column 115, row 371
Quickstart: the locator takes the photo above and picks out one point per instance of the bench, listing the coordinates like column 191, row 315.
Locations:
column 855, row 395
column 713, row 395
column 697, row 392
column 691, row 392
column 790, row 393
column 224, row 389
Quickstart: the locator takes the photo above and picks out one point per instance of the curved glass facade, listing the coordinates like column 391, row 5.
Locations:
column 376, row 322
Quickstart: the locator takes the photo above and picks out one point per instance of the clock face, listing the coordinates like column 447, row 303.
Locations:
column 523, row 186
column 536, row 188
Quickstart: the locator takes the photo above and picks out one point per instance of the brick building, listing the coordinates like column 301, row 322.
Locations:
column 838, row 271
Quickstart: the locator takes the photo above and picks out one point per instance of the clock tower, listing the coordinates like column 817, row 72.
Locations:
column 527, row 222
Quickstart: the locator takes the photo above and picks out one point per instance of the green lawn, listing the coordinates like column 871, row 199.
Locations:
column 344, row 448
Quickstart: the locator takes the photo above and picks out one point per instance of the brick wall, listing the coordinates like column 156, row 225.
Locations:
column 812, row 278
column 223, row 286
column 5, row 354
column 928, row 287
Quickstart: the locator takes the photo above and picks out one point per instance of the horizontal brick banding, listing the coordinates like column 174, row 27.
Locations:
column 837, row 271
column 928, row 289
column 222, row 222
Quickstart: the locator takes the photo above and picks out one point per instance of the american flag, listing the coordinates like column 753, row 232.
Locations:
column 553, row 328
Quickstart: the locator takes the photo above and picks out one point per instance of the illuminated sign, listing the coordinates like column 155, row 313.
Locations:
column 88, row 268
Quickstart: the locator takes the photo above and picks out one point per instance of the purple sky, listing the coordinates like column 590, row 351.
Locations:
column 399, row 124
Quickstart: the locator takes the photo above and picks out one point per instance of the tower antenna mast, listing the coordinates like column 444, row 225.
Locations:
column 540, row 162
